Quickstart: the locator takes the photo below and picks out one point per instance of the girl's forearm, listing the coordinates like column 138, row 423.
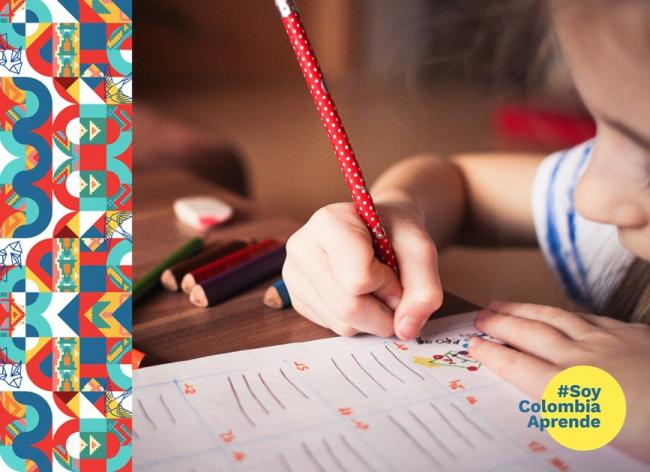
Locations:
column 480, row 200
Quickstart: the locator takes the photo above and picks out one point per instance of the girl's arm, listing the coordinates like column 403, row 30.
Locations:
column 473, row 199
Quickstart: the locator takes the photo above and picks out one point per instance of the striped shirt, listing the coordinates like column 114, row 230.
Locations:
column 586, row 256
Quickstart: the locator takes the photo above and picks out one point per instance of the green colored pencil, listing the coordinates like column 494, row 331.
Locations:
column 152, row 279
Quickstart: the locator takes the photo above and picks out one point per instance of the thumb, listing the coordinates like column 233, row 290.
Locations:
column 421, row 289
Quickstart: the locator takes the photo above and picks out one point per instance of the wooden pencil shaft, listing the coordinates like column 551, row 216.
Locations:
column 240, row 278
column 233, row 260
column 209, row 254
column 150, row 280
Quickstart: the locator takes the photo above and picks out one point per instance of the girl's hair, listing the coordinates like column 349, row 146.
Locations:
column 630, row 301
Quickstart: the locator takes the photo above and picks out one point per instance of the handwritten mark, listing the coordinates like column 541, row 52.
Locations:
column 402, row 362
column 400, row 346
column 312, row 457
column 413, row 440
column 432, row 434
column 536, row 447
column 300, row 366
column 227, row 437
column 239, row 404
column 360, row 424
column 386, row 368
column 559, row 464
column 471, row 399
column 334, row 457
column 348, row 378
column 367, row 373
column 293, row 384
column 456, row 384
column 285, row 463
column 238, row 456
column 345, row 410
column 452, row 427
column 146, row 415
column 135, row 434
column 169, row 412
column 356, row 454
column 189, row 389
column 250, row 390
column 268, row 389
column 470, row 421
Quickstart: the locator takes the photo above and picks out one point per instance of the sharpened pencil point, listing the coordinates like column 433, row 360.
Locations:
column 272, row 298
column 168, row 281
column 188, row 283
column 198, row 297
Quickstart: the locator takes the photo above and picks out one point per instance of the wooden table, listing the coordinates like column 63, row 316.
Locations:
column 165, row 325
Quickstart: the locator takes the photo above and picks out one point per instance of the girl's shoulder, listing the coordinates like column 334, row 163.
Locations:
column 586, row 256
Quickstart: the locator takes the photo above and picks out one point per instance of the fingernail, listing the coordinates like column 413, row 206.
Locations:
column 408, row 328
column 393, row 302
column 474, row 341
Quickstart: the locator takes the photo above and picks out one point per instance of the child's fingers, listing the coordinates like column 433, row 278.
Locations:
column 348, row 245
column 529, row 373
column 418, row 271
column 570, row 324
column 531, row 336
column 306, row 302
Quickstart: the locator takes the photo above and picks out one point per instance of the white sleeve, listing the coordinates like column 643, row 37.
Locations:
column 586, row 256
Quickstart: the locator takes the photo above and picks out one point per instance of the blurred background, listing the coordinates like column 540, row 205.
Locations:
column 220, row 94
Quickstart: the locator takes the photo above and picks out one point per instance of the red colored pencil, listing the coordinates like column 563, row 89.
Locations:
column 226, row 263
column 335, row 131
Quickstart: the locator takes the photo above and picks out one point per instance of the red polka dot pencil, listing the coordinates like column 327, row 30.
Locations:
column 335, row 131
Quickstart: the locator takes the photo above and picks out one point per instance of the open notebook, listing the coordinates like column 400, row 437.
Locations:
column 345, row 404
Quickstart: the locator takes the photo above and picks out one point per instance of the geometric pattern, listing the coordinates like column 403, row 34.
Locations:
column 65, row 235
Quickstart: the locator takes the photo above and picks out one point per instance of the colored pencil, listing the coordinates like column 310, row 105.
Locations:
column 237, row 279
column 151, row 280
column 225, row 263
column 171, row 277
column 335, row 130
column 277, row 296
column 136, row 358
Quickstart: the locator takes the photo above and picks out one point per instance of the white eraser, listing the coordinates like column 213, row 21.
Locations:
column 202, row 212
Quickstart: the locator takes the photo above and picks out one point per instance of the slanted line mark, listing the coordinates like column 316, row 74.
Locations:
column 433, row 435
column 250, row 390
column 417, row 443
column 367, row 373
column 164, row 404
column 146, row 414
column 312, row 457
column 356, row 454
column 386, row 368
column 293, row 384
column 402, row 362
column 285, row 463
column 470, row 421
column 239, row 404
column 449, row 423
column 334, row 457
column 268, row 389
column 135, row 434
column 348, row 378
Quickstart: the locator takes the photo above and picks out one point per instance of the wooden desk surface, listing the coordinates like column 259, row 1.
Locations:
column 165, row 325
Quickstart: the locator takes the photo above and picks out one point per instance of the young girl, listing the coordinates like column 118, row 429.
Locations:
column 590, row 213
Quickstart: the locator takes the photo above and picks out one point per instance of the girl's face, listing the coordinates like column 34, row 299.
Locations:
column 607, row 46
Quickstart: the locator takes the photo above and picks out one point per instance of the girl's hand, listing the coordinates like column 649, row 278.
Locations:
column 335, row 280
column 547, row 340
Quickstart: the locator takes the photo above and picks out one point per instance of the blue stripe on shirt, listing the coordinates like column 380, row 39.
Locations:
column 553, row 236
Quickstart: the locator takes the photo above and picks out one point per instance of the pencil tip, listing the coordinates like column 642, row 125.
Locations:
column 198, row 297
column 188, row 283
column 168, row 280
column 272, row 298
